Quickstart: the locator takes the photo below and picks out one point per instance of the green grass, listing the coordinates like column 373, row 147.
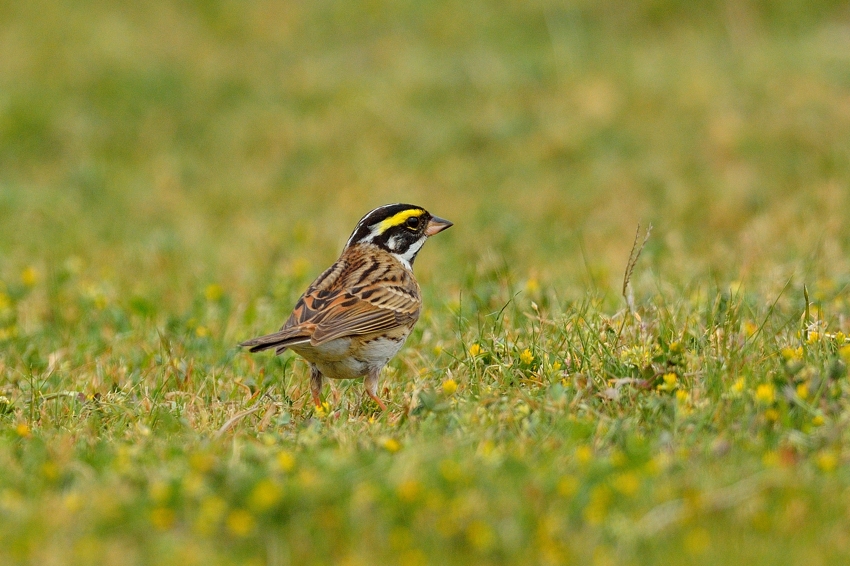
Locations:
column 174, row 174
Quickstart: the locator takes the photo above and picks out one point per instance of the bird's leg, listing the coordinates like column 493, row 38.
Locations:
column 316, row 384
column 371, row 383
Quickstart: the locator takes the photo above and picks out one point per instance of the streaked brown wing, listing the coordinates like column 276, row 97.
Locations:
column 355, row 297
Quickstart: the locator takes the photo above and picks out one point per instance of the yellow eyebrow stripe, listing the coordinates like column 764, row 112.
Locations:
column 398, row 219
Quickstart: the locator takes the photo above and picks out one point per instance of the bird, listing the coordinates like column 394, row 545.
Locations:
column 358, row 313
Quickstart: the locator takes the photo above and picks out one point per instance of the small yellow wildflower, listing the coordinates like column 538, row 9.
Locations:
column 23, row 430
column 159, row 491
column 475, row 350
column 682, row 396
column 770, row 459
column 210, row 513
column 792, row 354
column 162, row 518
column 827, row 461
column 409, row 490
column 813, row 337
column 29, row 276
column 265, row 495
column 450, row 470
column 285, row 461
column 597, row 507
column 738, row 386
column 750, row 328
column 676, row 347
column 626, row 483
column 240, row 522
column 73, row 501
column 201, row 462
column 766, row 393
column 818, row 420
column 50, row 471
column 584, row 454
column 532, row 286
column 844, row 352
column 840, row 337
column 213, row 292
column 803, row 390
column 556, row 366
column 480, row 535
column 391, row 445
column 567, row 486
column 323, row 410
column 526, row 356
column 669, row 384
column 449, row 387
column 772, row 415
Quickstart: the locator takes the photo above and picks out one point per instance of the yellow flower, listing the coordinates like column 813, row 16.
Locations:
column 29, row 276
column 391, row 445
column 626, row 483
column 827, row 461
column 162, row 518
column 682, row 396
column 750, row 328
column 285, row 461
column 738, row 386
column 803, row 390
column 792, row 354
column 23, row 430
column 556, row 366
column 845, row 353
column 265, row 495
column 480, row 535
column 202, row 332
column 567, row 486
column 526, row 356
column 159, row 491
column 584, row 454
column 213, row 292
column 669, row 384
column 771, row 415
column 409, row 490
column 201, row 462
column 240, row 522
column 766, row 393
column 475, row 350
column 597, row 507
column 818, row 420
column 449, row 387
column 532, row 286
column 211, row 511
column 323, row 410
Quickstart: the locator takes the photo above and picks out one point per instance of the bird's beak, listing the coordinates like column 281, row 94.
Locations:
column 437, row 225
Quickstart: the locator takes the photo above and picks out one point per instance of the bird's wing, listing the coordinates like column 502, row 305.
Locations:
column 355, row 297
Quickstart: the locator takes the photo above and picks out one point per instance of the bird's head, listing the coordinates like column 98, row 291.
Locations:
column 400, row 229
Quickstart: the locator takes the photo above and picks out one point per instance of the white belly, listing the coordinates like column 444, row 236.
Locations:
column 344, row 358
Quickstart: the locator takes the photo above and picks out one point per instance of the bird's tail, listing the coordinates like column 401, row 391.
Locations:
column 280, row 341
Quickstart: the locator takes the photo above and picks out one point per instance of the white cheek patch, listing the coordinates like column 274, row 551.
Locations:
column 407, row 257
column 392, row 244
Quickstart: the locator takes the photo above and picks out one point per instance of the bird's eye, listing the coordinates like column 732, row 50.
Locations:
column 413, row 222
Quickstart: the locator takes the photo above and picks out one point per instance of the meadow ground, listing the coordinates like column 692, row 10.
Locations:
column 173, row 175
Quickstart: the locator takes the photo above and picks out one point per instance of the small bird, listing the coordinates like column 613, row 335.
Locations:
column 357, row 314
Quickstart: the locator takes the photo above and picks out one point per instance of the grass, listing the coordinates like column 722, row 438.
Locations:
column 173, row 175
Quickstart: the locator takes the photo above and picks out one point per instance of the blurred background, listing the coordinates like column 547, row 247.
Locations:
column 166, row 145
